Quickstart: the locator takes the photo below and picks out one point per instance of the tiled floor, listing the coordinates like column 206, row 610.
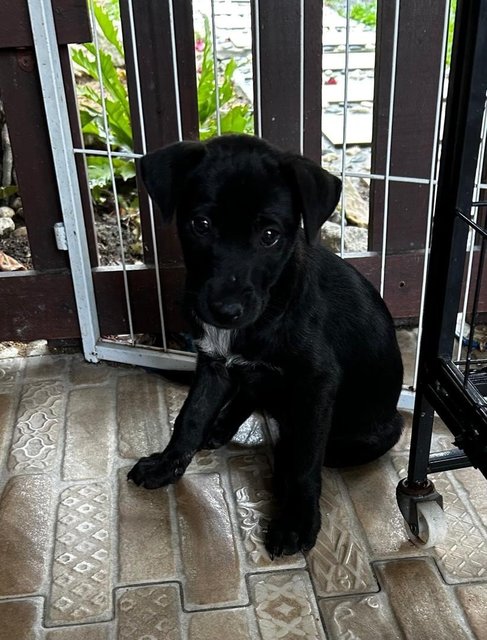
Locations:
column 87, row 556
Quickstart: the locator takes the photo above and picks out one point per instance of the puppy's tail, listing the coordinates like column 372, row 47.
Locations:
column 354, row 452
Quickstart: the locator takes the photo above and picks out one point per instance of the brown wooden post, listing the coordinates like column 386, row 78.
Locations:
column 279, row 34
column 415, row 102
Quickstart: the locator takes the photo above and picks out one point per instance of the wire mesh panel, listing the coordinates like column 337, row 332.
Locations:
column 360, row 93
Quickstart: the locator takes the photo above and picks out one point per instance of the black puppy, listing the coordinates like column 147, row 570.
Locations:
column 281, row 323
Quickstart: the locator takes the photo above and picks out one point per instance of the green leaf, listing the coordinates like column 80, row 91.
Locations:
column 99, row 173
column 107, row 26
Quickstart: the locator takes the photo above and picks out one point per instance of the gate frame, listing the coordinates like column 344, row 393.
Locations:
column 53, row 93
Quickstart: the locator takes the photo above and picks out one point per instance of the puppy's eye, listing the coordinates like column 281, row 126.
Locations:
column 201, row 225
column 269, row 237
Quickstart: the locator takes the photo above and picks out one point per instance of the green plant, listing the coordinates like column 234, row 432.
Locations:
column 117, row 109
column 364, row 11
column 234, row 117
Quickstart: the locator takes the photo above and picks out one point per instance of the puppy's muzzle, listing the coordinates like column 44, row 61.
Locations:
column 226, row 312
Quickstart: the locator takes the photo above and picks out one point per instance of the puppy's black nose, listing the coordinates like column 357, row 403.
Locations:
column 227, row 311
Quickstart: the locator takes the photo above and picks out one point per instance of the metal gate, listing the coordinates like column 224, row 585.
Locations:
column 289, row 47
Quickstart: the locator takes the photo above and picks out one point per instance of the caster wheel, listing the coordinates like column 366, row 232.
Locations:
column 432, row 525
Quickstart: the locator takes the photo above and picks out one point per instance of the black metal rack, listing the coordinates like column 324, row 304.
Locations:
column 456, row 390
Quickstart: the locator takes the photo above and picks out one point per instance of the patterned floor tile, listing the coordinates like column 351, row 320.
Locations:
column 463, row 555
column 20, row 620
column 36, row 433
column 89, row 428
column 415, row 590
column 208, row 625
column 9, row 371
column 251, row 479
column 141, row 415
column 473, row 598
column 146, row 548
column 210, row 558
column 339, row 563
column 285, row 606
column 25, row 540
column 149, row 613
column 81, row 572
column 8, row 404
column 361, row 617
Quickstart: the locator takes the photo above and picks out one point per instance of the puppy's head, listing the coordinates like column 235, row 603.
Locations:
column 239, row 203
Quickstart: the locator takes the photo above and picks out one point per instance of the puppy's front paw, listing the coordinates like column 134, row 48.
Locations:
column 285, row 537
column 158, row 470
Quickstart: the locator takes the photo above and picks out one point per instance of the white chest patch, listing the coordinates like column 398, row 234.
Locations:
column 218, row 343
column 215, row 341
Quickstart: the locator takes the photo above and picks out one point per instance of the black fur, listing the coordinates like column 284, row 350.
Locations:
column 311, row 340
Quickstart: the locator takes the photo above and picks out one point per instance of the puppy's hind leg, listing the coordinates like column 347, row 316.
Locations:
column 233, row 414
column 298, row 461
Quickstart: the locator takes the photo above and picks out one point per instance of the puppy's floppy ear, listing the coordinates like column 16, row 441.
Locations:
column 317, row 193
column 164, row 173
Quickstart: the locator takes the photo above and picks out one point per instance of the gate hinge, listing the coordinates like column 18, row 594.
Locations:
column 60, row 235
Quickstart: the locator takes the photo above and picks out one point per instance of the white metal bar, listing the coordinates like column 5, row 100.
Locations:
column 99, row 152
column 215, row 70
column 391, row 178
column 175, row 70
column 140, row 108
column 258, row 78
column 50, row 73
column 301, row 76
column 472, row 232
column 108, row 145
column 145, row 356
column 345, row 125
column 406, row 400
column 349, row 174
column 389, row 145
column 431, row 191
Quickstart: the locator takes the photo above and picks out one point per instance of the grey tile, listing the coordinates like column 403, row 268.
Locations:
column 210, row 625
column 82, row 372
column 20, row 620
column 473, row 598
column 83, row 632
column 149, row 612
column 146, row 548
column 25, row 534
column 209, row 554
column 46, row 367
column 89, row 430
column 372, row 489
column 8, row 402
column 141, row 415
column 81, row 573
column 424, row 607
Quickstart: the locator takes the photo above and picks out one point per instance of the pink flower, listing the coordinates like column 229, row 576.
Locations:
column 199, row 44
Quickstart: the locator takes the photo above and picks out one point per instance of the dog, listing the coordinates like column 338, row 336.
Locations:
column 280, row 323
